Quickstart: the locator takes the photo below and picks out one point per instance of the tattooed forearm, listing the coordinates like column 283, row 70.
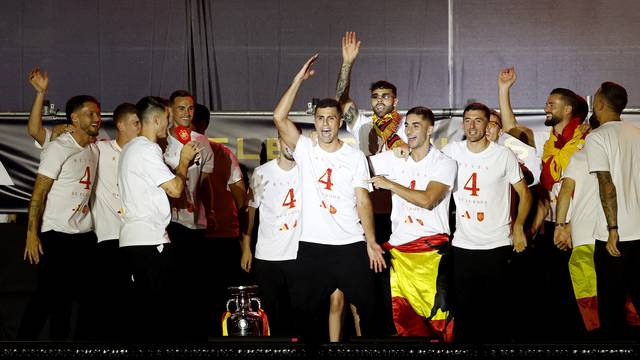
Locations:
column 608, row 197
column 344, row 81
column 38, row 200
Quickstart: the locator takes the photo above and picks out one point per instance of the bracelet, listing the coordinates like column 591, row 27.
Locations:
column 561, row 224
column 614, row 227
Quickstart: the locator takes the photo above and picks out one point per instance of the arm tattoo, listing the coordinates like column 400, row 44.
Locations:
column 608, row 197
column 344, row 81
column 350, row 114
column 41, row 189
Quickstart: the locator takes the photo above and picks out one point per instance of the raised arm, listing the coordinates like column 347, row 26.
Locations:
column 506, row 79
column 524, row 205
column 33, row 247
column 285, row 126
column 350, row 50
column 609, row 201
column 40, row 82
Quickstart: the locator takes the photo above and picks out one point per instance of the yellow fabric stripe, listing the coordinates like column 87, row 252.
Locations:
column 583, row 271
column 413, row 277
column 224, row 323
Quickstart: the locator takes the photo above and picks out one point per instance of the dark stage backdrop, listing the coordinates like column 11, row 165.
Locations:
column 242, row 54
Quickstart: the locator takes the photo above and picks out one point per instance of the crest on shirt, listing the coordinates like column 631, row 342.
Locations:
column 182, row 134
column 480, row 216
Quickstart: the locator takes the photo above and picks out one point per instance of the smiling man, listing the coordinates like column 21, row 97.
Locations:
column 484, row 236
column 419, row 242
column 337, row 217
column 59, row 233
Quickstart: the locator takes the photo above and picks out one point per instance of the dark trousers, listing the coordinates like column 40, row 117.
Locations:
column 152, row 303
column 274, row 283
column 64, row 277
column 480, row 294
column 320, row 270
column 617, row 278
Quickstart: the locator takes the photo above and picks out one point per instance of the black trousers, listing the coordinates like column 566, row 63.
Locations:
column 153, row 314
column 480, row 294
column 64, row 278
column 320, row 270
column 274, row 282
column 617, row 278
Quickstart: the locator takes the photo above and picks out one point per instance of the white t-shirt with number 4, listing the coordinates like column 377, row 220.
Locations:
column 277, row 195
column 73, row 169
column 329, row 182
column 483, row 195
column 107, row 206
column 408, row 221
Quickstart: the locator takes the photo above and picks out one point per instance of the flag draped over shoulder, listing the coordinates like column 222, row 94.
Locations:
column 558, row 151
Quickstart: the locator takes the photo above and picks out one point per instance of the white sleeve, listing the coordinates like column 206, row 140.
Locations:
column 448, row 150
column 51, row 160
column 354, row 129
column 152, row 164
column 361, row 173
column 206, row 154
column 446, row 172
column 381, row 164
column 512, row 168
column 47, row 139
column 570, row 171
column 255, row 201
column 235, row 173
column 303, row 146
column 597, row 158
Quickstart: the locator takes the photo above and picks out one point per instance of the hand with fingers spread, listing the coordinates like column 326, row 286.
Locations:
column 350, row 47
column 376, row 260
column 307, row 69
column 39, row 80
column 507, row 78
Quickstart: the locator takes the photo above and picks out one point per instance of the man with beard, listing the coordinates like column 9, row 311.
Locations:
column 484, row 236
column 419, row 242
column 337, row 219
column 59, row 236
column 612, row 154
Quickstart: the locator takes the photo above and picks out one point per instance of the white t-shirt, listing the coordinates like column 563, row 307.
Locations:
column 146, row 206
column 526, row 154
column 278, row 198
column 73, row 169
column 193, row 215
column 410, row 222
column 102, row 136
column 329, row 182
column 483, row 195
column 366, row 138
column 106, row 207
column 615, row 147
column 585, row 202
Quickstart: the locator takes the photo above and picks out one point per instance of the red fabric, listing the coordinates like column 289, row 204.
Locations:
column 222, row 222
column 632, row 314
column 546, row 179
column 589, row 310
column 423, row 244
column 408, row 323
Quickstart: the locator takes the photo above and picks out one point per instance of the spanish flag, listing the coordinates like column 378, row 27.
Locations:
column 418, row 288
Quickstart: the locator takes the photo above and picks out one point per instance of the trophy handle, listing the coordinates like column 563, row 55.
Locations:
column 229, row 303
column 258, row 301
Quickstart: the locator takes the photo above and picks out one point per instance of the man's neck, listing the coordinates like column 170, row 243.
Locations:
column 122, row 140
column 149, row 134
column 478, row 146
column 608, row 117
column 559, row 127
column 419, row 153
column 81, row 137
column 285, row 164
column 333, row 146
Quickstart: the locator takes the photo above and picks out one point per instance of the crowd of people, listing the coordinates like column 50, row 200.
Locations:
column 146, row 231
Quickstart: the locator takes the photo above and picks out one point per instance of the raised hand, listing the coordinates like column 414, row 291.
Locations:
column 306, row 71
column 507, row 78
column 39, row 80
column 350, row 47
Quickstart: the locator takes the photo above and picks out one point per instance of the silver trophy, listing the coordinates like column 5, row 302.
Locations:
column 244, row 320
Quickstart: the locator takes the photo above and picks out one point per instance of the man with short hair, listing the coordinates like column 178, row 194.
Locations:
column 419, row 242
column 484, row 237
column 144, row 182
column 612, row 153
column 385, row 125
column 337, row 219
column 106, row 209
column 59, row 236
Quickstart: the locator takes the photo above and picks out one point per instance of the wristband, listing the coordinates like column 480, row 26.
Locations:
column 614, row 227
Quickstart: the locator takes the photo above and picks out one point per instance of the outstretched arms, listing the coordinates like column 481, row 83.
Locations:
column 350, row 50
column 286, row 128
